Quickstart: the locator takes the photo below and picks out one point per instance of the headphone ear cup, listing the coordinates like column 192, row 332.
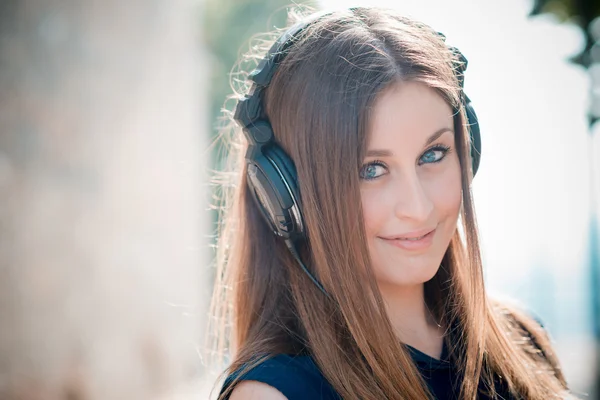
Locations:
column 475, row 134
column 274, row 189
column 285, row 166
column 278, row 156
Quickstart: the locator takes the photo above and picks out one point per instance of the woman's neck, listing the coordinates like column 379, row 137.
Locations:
column 413, row 323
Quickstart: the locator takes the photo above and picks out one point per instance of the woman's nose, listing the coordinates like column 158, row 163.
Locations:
column 412, row 200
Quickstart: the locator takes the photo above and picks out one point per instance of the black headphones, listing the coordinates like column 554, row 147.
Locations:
column 271, row 175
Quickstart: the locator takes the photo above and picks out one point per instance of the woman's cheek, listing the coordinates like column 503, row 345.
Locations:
column 374, row 204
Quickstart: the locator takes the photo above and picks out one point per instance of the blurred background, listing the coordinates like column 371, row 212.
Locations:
column 107, row 113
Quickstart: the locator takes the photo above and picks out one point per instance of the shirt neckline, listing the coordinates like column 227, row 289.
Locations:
column 426, row 361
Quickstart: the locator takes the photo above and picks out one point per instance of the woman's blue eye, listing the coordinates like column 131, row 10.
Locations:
column 433, row 155
column 376, row 169
column 372, row 171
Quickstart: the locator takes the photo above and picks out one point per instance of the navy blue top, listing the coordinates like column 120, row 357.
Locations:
column 299, row 378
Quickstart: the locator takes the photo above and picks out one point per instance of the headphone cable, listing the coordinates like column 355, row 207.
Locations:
column 292, row 247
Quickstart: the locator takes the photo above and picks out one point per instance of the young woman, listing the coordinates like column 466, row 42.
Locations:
column 344, row 271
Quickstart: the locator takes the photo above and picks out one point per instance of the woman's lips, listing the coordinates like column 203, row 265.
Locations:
column 411, row 244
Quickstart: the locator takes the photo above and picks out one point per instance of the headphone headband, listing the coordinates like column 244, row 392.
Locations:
column 249, row 109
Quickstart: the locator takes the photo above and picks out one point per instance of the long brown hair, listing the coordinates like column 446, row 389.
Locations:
column 319, row 104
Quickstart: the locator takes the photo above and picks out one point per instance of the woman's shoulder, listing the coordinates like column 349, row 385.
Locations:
column 254, row 390
column 293, row 376
column 528, row 325
column 516, row 312
column 523, row 319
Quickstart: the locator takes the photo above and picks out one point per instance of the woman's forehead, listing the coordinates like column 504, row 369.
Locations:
column 408, row 111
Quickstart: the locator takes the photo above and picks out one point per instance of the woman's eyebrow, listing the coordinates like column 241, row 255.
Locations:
column 437, row 134
column 431, row 139
column 379, row 153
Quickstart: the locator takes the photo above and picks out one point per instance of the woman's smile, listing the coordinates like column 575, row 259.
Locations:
column 412, row 244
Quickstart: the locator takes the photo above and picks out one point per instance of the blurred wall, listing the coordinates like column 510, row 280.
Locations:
column 101, row 202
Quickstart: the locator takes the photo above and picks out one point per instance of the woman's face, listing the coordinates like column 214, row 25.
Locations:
column 410, row 184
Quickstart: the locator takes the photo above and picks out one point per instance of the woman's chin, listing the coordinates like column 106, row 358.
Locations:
column 407, row 275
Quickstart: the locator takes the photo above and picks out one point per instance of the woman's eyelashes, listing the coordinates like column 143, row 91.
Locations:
column 434, row 154
column 371, row 170
column 377, row 168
